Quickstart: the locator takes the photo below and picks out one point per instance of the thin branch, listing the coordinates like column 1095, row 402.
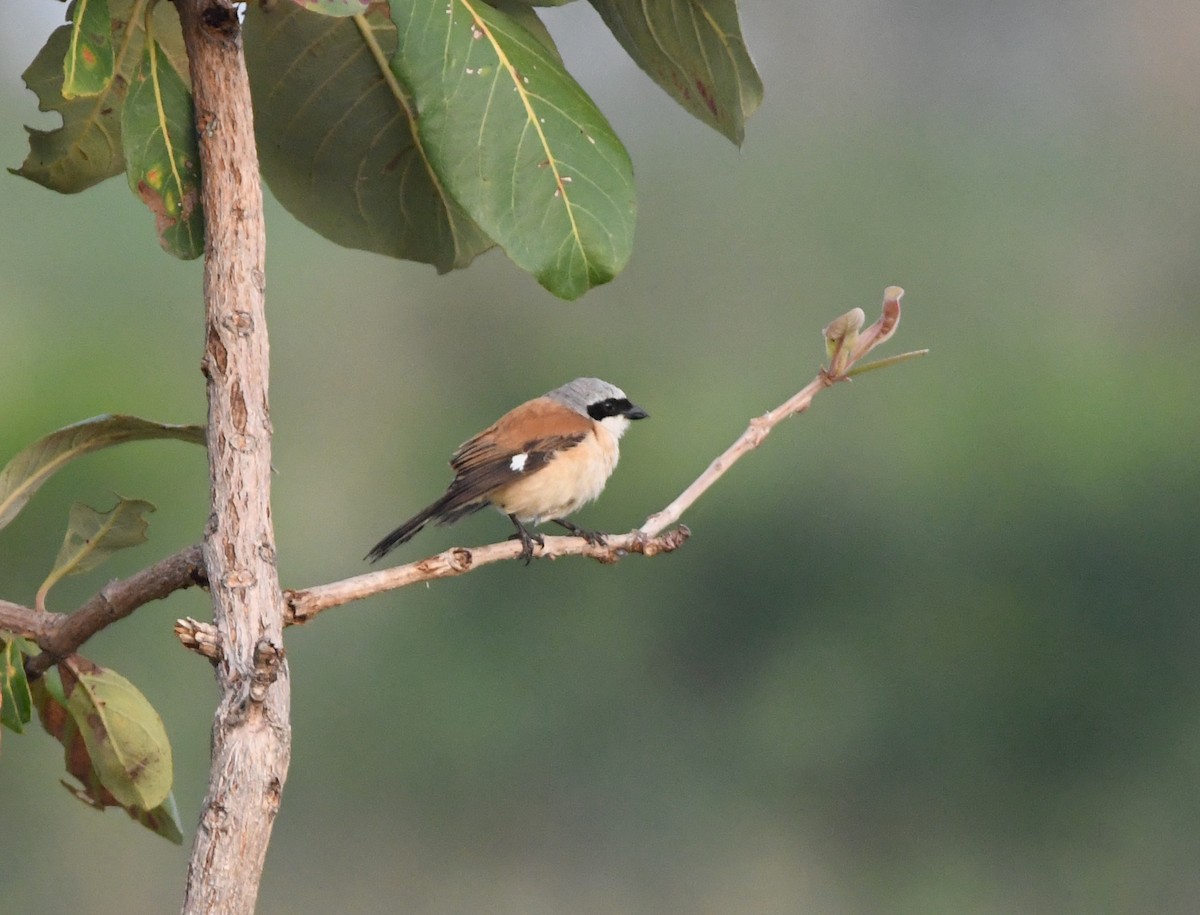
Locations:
column 115, row 601
column 60, row 634
column 305, row 604
column 23, row 621
column 846, row 343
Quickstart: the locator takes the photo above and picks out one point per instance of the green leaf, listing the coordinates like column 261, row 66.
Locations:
column 162, row 156
column 524, row 15
column 517, row 142
column 58, row 721
column 694, row 50
column 16, row 702
column 36, row 463
column 88, row 65
column 335, row 141
column 124, row 735
column 334, row 7
column 86, row 149
column 93, row 536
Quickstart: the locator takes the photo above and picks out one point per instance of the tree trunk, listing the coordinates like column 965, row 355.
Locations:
column 251, row 730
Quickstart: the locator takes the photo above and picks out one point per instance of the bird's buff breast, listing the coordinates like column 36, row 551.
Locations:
column 564, row 485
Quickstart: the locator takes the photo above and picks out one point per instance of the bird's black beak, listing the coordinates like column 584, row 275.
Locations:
column 635, row 412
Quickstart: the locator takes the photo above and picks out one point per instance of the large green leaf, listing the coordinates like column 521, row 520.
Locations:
column 517, row 142
column 86, row 149
column 694, row 50
column 162, row 157
column 336, row 143
column 93, row 536
column 88, row 65
column 33, row 465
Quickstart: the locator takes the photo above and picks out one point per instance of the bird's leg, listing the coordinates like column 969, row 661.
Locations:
column 593, row 537
column 527, row 539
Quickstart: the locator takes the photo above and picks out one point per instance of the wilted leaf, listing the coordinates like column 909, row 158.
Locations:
column 162, row 158
column 34, row 464
column 124, row 736
column 694, row 50
column 93, row 536
column 88, row 64
column 336, row 144
column 517, row 142
column 16, row 703
column 59, row 722
column 87, row 148
column 163, row 819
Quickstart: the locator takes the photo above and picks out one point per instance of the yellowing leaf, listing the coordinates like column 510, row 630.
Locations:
column 124, row 736
column 58, row 721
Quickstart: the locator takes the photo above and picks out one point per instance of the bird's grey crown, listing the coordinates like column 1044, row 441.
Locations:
column 583, row 392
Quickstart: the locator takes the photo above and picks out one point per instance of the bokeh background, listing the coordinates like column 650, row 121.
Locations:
column 933, row 648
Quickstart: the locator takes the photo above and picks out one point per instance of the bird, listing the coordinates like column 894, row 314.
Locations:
column 538, row 462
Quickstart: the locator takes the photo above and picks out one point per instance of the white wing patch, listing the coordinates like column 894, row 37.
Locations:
column 517, row 464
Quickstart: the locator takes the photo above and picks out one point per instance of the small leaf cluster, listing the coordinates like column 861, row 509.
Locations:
column 114, row 742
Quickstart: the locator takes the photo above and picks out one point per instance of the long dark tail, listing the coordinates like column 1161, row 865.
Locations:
column 447, row 509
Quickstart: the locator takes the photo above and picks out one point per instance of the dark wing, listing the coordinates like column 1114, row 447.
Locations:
column 538, row 429
column 484, row 467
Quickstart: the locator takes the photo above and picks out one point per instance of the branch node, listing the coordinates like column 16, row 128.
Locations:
column 199, row 637
column 268, row 659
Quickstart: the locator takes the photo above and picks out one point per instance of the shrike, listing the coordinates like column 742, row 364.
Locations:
column 538, row 462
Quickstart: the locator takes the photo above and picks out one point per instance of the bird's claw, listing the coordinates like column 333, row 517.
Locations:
column 527, row 541
column 595, row 538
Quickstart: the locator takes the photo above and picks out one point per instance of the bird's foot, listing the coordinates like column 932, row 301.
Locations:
column 595, row 538
column 527, row 540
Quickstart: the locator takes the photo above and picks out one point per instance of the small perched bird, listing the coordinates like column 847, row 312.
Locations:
column 538, row 462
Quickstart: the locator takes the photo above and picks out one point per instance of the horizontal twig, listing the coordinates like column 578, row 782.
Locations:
column 306, row 603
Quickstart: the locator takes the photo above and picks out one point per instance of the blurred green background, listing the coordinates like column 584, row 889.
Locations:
column 931, row 649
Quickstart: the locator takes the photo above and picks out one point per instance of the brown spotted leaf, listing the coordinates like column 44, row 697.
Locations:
column 162, row 156
column 59, row 722
column 86, row 149
column 694, row 50
column 123, row 734
column 88, row 67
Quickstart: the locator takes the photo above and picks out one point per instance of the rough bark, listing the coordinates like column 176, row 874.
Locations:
column 251, row 730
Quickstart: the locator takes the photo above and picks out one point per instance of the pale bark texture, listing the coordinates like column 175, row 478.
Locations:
column 251, row 730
